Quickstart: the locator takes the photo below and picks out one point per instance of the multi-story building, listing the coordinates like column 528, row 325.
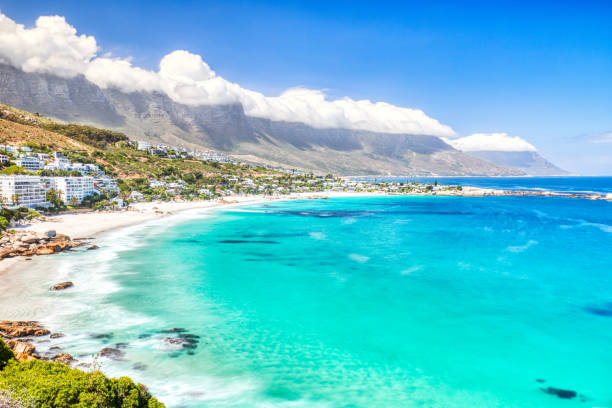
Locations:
column 74, row 188
column 25, row 191
column 29, row 163
column 106, row 185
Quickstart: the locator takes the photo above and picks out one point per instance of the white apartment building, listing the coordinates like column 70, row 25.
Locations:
column 24, row 191
column 29, row 163
column 106, row 184
column 77, row 187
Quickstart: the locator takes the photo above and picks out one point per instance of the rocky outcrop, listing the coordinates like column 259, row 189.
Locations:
column 26, row 243
column 23, row 351
column 61, row 286
column 12, row 329
column 63, row 358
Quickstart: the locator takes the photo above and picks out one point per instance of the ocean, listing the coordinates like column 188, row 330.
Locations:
column 347, row 302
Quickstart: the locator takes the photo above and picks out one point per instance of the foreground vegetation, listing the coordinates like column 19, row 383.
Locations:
column 54, row 385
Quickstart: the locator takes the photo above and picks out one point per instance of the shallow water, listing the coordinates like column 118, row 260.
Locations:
column 356, row 302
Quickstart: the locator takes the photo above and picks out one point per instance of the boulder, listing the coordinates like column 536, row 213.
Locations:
column 63, row 358
column 44, row 251
column 29, row 239
column 56, row 335
column 51, row 234
column 12, row 329
column 62, row 286
column 6, row 252
column 92, row 247
column 61, row 237
column 23, row 351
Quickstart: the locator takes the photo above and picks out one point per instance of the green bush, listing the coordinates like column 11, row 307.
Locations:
column 6, row 354
column 55, row 385
column 3, row 224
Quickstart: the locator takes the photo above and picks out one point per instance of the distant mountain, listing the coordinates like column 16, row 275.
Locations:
column 529, row 161
column 155, row 117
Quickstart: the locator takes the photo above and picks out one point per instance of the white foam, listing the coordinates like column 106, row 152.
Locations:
column 411, row 270
column 359, row 258
column 522, row 248
column 318, row 235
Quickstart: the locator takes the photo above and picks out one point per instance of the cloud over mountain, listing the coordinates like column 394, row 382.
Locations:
column 53, row 46
column 479, row 142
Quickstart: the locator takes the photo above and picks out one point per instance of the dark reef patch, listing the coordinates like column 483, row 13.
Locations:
column 563, row 394
column 105, row 337
column 604, row 310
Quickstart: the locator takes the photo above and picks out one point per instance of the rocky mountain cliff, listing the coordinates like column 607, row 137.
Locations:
column 528, row 161
column 155, row 117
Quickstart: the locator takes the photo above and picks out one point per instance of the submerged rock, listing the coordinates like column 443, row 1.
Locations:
column 174, row 330
column 92, row 247
column 564, row 394
column 62, row 286
column 104, row 336
column 112, row 353
column 56, row 335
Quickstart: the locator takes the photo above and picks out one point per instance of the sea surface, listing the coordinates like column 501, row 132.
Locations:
column 350, row 302
column 597, row 185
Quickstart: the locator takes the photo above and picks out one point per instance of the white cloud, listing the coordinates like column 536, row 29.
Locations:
column 601, row 138
column 53, row 46
column 491, row 142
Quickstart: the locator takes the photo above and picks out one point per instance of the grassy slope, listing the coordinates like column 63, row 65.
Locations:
column 19, row 127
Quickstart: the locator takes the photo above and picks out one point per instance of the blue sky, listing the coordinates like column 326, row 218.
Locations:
column 539, row 71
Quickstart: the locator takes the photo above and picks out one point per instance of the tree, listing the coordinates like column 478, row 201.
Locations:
column 74, row 201
column 54, row 198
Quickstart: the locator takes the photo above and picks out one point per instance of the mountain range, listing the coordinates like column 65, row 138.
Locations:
column 154, row 117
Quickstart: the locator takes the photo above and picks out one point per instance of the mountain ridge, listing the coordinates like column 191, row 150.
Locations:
column 155, row 117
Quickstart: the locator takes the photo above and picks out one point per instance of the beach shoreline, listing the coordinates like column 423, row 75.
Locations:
column 90, row 225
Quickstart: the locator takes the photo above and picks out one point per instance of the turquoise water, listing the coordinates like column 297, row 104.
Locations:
column 356, row 302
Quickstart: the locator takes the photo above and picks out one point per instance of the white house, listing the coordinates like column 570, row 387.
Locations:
column 143, row 145
column 136, row 196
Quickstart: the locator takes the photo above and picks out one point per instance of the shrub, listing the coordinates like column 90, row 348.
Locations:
column 55, row 385
column 3, row 223
column 6, row 354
